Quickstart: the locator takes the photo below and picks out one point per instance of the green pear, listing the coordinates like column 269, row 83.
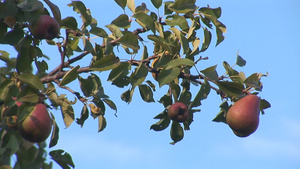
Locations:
column 178, row 112
column 36, row 127
column 45, row 27
column 243, row 116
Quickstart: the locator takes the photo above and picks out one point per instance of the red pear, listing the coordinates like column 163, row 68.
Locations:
column 36, row 127
column 243, row 116
column 178, row 112
column 45, row 27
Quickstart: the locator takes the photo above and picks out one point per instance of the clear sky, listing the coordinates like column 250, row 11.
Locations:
column 266, row 34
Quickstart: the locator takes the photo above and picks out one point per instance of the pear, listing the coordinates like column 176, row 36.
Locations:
column 36, row 127
column 45, row 27
column 243, row 116
column 178, row 112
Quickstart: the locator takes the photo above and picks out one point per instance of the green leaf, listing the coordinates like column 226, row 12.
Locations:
column 166, row 100
column 240, row 61
column 127, row 95
column 176, row 20
column 67, row 113
column 254, row 81
column 119, row 72
column 55, row 133
column 28, row 94
column 167, row 76
column 183, row 6
column 179, row 62
column 70, row 76
column 84, row 115
column 156, row 3
column 121, row 3
column 232, row 89
column 175, row 89
column 146, row 93
column 31, row 80
column 62, row 158
column 221, row 116
column 106, row 63
column 99, row 32
column 122, row 21
column 201, row 95
column 161, row 124
column 139, row 75
column 70, row 23
column 101, row 123
column 211, row 72
column 264, row 104
column 24, row 59
column 176, row 132
column 220, row 36
column 184, row 42
column 79, row 7
column 110, row 103
column 161, row 41
column 146, row 20
column 206, row 40
column 130, row 40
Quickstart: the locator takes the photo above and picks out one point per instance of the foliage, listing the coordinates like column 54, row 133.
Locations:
column 174, row 44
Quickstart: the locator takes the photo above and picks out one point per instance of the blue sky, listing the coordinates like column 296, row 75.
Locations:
column 266, row 35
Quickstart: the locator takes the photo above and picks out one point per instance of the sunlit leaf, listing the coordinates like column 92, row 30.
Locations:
column 55, row 133
column 206, row 40
column 131, row 5
column 176, row 20
column 110, row 103
column 211, row 72
column 70, row 76
column 101, row 123
column 99, row 32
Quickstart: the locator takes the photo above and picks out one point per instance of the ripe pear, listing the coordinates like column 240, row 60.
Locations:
column 36, row 127
column 178, row 112
column 243, row 116
column 45, row 27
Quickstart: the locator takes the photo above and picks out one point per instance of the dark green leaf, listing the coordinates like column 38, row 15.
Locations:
column 84, row 115
column 240, row 61
column 206, row 40
column 28, row 94
column 166, row 100
column 220, row 36
column 101, row 123
column 161, row 124
column 201, row 95
column 110, row 103
column 254, row 81
column 130, row 40
column 70, row 76
column 175, row 89
column 99, row 32
column 264, row 104
column 121, row 3
column 70, row 23
column 79, row 7
column 120, row 71
column 156, row 3
column 146, row 93
column 122, row 21
column 62, row 158
column 145, row 21
column 232, row 89
column 106, row 63
column 167, row 76
column 176, row 132
column 211, row 73
column 139, row 75
column 67, row 113
column 127, row 95
column 24, row 59
column 176, row 20
column 183, row 6
column 55, row 133
column 31, row 80
column 221, row 116
column 179, row 62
